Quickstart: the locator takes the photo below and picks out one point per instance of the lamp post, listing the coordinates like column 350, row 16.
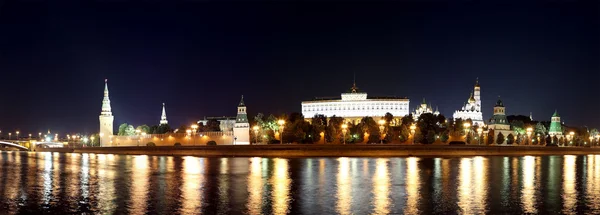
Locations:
column 381, row 129
column 323, row 135
column 110, row 138
column 30, row 137
column 194, row 130
column 467, row 127
column 40, row 135
column 138, row 131
column 92, row 142
column 255, row 128
column 9, row 134
column 17, row 135
column 413, row 127
column 529, row 131
column 479, row 132
column 188, row 132
column 281, row 122
column 572, row 134
column 344, row 130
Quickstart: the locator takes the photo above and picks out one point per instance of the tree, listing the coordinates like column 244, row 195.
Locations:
column 418, row 136
column 510, row 139
column 130, row 131
column 212, row 125
column 430, row 139
column 389, row 118
column 540, row 129
column 143, row 129
column 469, row 138
column 181, row 130
column 408, row 120
column 444, row 137
column 122, row 129
column 490, row 137
column 334, row 128
column 165, row 128
column 441, row 119
column 500, row 139
column 518, row 127
column 555, row 140
column 548, row 140
column 369, row 126
column 561, row 141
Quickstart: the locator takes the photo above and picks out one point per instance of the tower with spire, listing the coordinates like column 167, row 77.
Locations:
column 106, row 118
column 499, row 122
column 555, row 126
column 472, row 109
column 241, row 129
column 163, row 117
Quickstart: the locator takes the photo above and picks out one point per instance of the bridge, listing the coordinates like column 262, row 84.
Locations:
column 13, row 145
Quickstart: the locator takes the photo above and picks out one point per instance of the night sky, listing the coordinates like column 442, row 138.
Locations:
column 199, row 57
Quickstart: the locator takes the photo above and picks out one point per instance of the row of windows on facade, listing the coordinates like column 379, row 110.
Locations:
column 356, row 104
column 354, row 108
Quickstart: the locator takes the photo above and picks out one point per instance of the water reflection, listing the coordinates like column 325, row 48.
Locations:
column 592, row 186
column 381, row 187
column 192, row 183
column 52, row 183
column 472, row 188
column 528, row 192
column 255, row 187
column 281, row 186
column 139, row 184
column 344, row 199
column 569, row 193
column 412, row 185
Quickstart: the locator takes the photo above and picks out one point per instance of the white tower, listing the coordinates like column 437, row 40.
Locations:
column 163, row 117
column 477, row 95
column 106, row 118
column 241, row 129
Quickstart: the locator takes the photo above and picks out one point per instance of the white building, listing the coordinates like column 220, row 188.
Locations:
column 106, row 118
column 472, row 109
column 498, row 123
column 424, row 108
column 356, row 105
column 241, row 129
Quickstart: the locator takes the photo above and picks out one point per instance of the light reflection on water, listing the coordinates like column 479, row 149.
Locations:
column 114, row 184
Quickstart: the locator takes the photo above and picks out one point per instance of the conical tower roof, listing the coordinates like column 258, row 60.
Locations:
column 242, row 102
column 555, row 114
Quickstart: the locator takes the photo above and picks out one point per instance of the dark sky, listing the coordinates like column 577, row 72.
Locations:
column 199, row 57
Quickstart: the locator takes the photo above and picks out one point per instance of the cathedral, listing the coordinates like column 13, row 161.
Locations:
column 472, row 109
column 422, row 109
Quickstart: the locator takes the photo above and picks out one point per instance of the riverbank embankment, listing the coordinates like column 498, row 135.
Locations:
column 332, row 150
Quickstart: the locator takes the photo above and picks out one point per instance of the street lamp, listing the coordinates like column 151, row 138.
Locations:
column 92, row 142
column 17, row 135
column 9, row 134
column 381, row 129
column 40, row 135
column 344, row 130
column 479, row 132
column 529, row 131
column 194, row 129
column 30, row 136
column 281, row 122
column 572, row 134
column 138, row 131
column 467, row 127
column 255, row 128
column 413, row 127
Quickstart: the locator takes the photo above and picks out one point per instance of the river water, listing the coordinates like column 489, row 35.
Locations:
column 55, row 183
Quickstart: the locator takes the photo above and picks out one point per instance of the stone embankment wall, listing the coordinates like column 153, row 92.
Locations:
column 202, row 138
column 338, row 150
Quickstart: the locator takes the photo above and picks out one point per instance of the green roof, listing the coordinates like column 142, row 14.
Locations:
column 555, row 114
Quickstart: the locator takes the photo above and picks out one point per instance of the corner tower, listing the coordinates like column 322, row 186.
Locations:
column 241, row 129
column 106, row 118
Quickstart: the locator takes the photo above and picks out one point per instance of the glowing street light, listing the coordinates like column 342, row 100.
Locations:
column 255, row 128
column 9, row 134
column 413, row 127
column 29, row 136
column 17, row 135
column 344, row 130
column 529, row 131
column 281, row 122
column 381, row 129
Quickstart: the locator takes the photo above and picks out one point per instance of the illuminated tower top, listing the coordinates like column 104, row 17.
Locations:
column 106, row 110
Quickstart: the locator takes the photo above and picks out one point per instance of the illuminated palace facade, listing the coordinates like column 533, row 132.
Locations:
column 355, row 105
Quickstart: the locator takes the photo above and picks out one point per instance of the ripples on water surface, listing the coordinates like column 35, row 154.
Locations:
column 118, row 184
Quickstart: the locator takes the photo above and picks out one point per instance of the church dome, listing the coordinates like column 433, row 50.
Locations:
column 472, row 99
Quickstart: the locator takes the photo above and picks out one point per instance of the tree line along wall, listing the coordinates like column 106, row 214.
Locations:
column 201, row 138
